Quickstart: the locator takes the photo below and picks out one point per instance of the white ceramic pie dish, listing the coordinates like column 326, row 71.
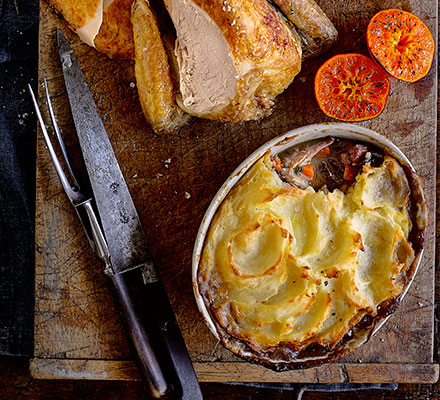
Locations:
column 277, row 145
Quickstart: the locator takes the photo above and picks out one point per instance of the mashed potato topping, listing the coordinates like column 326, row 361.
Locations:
column 288, row 266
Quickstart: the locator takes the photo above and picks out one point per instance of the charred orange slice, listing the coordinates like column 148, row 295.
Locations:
column 401, row 43
column 351, row 87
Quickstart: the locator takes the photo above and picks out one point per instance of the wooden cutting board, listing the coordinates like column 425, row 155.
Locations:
column 172, row 179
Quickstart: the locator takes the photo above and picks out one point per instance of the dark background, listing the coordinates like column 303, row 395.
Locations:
column 18, row 67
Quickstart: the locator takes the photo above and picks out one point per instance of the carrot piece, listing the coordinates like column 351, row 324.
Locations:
column 276, row 163
column 350, row 173
column 401, row 44
column 324, row 152
column 351, row 87
column 308, row 171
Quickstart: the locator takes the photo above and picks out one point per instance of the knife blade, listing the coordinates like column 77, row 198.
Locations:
column 128, row 247
column 139, row 292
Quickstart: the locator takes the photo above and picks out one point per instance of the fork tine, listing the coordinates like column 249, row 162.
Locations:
column 64, row 181
column 81, row 202
column 59, row 137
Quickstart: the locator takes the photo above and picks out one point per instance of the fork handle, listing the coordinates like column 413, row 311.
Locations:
column 94, row 232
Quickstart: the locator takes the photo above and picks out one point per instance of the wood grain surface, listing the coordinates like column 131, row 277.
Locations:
column 173, row 178
column 112, row 370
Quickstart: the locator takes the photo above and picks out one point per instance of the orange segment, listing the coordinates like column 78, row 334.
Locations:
column 401, row 43
column 351, row 87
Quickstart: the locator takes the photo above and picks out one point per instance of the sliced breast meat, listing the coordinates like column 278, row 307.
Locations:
column 234, row 57
column 153, row 75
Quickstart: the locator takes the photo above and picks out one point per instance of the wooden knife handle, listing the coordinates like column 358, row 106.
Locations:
column 142, row 343
column 151, row 324
column 185, row 385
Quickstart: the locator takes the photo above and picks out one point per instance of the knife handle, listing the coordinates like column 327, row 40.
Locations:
column 141, row 341
column 153, row 311
column 186, row 385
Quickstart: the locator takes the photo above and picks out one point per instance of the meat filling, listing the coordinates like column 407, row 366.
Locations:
column 332, row 163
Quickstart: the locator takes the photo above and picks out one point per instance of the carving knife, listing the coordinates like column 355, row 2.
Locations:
column 139, row 293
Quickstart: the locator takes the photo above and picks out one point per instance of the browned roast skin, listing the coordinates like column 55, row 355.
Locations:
column 115, row 37
column 316, row 30
column 152, row 70
column 263, row 50
column 75, row 12
column 112, row 34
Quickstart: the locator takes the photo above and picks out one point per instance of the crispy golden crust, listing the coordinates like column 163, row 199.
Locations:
column 265, row 52
column 153, row 76
column 115, row 37
column 294, row 278
column 75, row 12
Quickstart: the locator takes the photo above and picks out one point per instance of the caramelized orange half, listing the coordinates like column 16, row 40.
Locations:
column 401, row 43
column 351, row 87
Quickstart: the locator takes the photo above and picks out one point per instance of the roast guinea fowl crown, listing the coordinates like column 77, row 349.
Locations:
column 224, row 60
